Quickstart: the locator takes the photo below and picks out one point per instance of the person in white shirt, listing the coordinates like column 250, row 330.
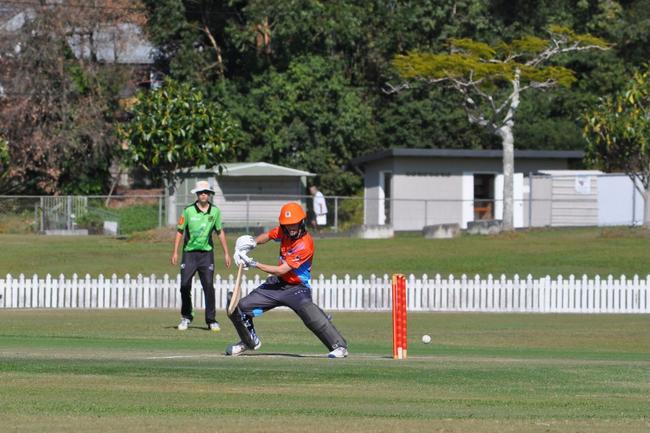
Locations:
column 319, row 207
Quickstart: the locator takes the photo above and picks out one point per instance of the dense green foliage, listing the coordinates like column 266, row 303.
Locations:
column 129, row 219
column 127, row 370
column 618, row 131
column 175, row 128
column 136, row 218
column 308, row 117
column 258, row 56
column 305, row 79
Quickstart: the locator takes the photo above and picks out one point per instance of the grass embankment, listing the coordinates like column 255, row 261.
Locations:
column 591, row 251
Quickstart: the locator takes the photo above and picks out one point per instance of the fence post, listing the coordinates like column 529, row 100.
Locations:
column 633, row 202
column 160, row 211
column 530, row 199
column 336, row 214
column 426, row 213
column 248, row 206
column 42, row 215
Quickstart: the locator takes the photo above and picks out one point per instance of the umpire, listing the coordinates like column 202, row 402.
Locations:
column 195, row 226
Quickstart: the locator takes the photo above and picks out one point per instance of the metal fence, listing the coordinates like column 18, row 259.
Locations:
column 119, row 215
column 539, row 201
column 253, row 211
column 115, row 215
column 542, row 202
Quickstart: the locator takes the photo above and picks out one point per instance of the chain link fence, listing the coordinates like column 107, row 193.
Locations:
column 117, row 215
column 544, row 202
column 126, row 214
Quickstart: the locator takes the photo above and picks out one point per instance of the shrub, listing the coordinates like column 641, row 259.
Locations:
column 350, row 213
column 137, row 218
column 91, row 222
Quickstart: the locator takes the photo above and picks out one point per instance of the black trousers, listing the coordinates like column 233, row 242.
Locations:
column 274, row 293
column 203, row 263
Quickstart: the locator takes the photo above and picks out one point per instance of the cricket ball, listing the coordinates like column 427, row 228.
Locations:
column 426, row 339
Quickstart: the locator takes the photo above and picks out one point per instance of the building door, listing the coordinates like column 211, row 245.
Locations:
column 385, row 186
column 483, row 197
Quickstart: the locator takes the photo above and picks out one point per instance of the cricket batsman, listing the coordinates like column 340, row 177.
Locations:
column 288, row 284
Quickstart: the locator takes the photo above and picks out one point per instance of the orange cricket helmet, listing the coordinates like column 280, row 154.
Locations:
column 291, row 213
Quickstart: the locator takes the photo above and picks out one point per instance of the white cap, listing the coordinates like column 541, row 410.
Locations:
column 202, row 185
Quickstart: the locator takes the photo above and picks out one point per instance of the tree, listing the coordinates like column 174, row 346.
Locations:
column 60, row 100
column 175, row 128
column 309, row 117
column 618, row 134
column 491, row 79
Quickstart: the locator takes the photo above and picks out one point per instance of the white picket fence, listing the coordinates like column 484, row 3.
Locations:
column 536, row 295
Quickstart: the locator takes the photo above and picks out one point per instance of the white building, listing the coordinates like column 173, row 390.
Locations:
column 412, row 188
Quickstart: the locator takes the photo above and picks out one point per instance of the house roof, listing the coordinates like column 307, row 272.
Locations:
column 254, row 169
column 571, row 172
column 463, row 153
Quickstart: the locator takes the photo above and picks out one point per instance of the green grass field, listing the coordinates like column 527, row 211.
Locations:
column 588, row 251
column 128, row 370
column 109, row 371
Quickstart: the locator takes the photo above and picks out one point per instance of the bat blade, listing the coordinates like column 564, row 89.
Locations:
column 236, row 292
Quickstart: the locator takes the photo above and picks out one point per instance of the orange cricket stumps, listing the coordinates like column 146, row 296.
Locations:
column 399, row 317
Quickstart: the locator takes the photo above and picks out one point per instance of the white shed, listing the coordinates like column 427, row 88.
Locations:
column 248, row 193
column 573, row 199
column 412, row 188
column 585, row 198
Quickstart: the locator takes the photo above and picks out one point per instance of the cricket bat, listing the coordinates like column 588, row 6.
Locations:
column 236, row 292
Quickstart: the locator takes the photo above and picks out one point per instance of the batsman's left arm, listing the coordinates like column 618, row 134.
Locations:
column 278, row 270
column 262, row 238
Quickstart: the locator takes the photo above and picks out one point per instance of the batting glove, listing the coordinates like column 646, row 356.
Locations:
column 241, row 258
column 245, row 243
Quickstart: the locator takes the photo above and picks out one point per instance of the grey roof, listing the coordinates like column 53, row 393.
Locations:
column 463, row 153
column 254, row 169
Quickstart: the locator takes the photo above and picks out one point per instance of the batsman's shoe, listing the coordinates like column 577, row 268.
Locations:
column 185, row 323
column 239, row 348
column 339, row 352
column 214, row 326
